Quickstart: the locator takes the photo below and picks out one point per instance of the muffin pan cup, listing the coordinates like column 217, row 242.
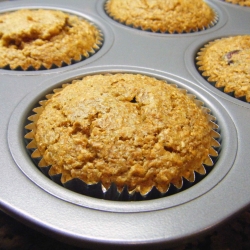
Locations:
column 222, row 89
column 31, row 197
column 55, row 64
column 97, row 190
column 222, row 86
column 198, row 29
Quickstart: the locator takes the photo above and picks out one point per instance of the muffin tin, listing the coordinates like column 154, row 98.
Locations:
column 29, row 196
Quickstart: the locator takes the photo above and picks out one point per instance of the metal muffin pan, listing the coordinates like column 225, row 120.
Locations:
column 27, row 195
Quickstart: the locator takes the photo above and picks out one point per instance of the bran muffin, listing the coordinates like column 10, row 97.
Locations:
column 177, row 16
column 225, row 62
column 239, row 2
column 44, row 38
column 130, row 130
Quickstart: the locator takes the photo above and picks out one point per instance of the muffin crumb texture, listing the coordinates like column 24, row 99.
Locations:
column 226, row 62
column 177, row 16
column 127, row 129
column 45, row 38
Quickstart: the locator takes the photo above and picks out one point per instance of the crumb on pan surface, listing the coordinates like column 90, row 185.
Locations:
column 164, row 16
column 44, row 37
column 226, row 62
column 126, row 129
column 240, row 2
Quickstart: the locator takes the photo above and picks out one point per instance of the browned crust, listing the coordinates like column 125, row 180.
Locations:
column 125, row 129
column 44, row 38
column 226, row 62
column 165, row 16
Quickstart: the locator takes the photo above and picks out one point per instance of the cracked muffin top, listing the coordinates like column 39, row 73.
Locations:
column 44, row 37
column 128, row 129
column 175, row 16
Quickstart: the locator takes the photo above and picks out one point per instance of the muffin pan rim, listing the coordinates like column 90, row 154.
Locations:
column 20, row 156
column 96, row 20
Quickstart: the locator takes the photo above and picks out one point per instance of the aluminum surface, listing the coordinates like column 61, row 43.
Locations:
column 30, row 197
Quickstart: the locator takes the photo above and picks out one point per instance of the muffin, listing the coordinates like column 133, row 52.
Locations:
column 239, row 2
column 42, row 38
column 128, row 130
column 225, row 63
column 177, row 16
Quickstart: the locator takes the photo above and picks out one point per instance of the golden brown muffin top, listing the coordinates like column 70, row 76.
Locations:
column 128, row 129
column 44, row 37
column 226, row 61
column 162, row 15
column 240, row 2
column 26, row 24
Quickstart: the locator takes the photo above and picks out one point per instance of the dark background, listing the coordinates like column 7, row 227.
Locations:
column 232, row 235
